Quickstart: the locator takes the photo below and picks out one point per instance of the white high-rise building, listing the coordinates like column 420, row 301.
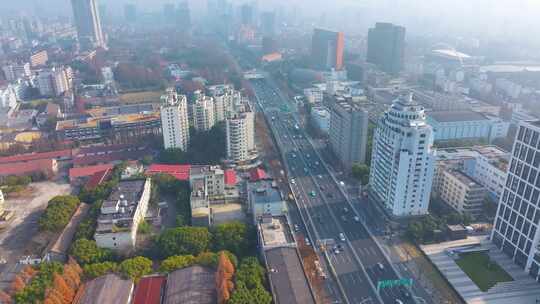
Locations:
column 240, row 133
column 174, row 121
column 55, row 81
column 203, row 113
column 516, row 230
column 403, row 159
column 16, row 71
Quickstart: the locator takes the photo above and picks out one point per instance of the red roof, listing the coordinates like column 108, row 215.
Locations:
column 149, row 290
column 88, row 171
column 36, row 156
column 98, row 177
column 257, row 174
column 230, row 177
column 180, row 172
column 24, row 168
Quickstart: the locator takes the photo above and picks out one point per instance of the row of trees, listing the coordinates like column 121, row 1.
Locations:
column 48, row 283
column 58, row 213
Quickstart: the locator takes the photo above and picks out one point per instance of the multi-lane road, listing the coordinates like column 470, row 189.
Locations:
column 358, row 262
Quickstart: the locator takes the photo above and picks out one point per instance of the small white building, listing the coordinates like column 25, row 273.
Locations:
column 313, row 95
column 461, row 192
column 121, row 215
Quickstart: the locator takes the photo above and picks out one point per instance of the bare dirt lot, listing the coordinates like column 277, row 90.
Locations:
column 21, row 237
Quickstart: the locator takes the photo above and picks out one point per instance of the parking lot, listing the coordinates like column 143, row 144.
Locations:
column 21, row 237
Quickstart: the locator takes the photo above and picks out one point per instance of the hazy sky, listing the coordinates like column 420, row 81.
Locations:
column 494, row 17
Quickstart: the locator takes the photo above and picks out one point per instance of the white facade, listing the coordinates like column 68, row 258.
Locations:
column 203, row 113
column 516, row 229
column 16, row 71
column 174, row 121
column 403, row 160
column 121, row 215
column 213, row 178
column 240, row 135
column 2, row 203
column 490, row 172
column 8, row 98
column 55, row 81
column 460, row 192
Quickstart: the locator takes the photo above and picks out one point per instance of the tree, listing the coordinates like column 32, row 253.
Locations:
column 230, row 236
column 98, row 269
column 5, row 298
column 62, row 287
column 176, row 262
column 361, row 173
column 136, row 267
column 58, row 213
column 224, row 275
column 17, row 284
column 251, row 273
column 86, row 252
column 208, row 259
column 183, row 240
column 243, row 295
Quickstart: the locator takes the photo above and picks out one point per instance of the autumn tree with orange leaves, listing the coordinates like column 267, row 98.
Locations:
column 5, row 298
column 224, row 275
column 17, row 284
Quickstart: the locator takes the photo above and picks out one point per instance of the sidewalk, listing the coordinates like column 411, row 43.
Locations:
column 523, row 290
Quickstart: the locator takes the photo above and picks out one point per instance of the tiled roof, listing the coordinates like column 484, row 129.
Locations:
column 88, row 171
column 28, row 167
column 36, row 156
column 109, row 157
column 180, row 172
column 257, row 174
column 149, row 290
column 97, row 178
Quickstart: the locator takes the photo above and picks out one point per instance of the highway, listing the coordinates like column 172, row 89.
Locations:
column 357, row 260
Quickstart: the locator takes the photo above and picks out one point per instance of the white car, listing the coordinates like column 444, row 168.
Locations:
column 356, row 218
column 342, row 237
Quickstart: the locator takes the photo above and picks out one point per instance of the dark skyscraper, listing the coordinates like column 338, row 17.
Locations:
column 386, row 47
column 247, row 14
column 327, row 49
column 268, row 23
column 88, row 23
column 130, row 12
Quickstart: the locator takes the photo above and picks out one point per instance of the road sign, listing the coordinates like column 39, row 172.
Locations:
column 393, row 283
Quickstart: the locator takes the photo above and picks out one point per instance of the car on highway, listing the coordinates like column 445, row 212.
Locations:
column 305, row 169
column 381, row 266
column 320, row 176
column 313, row 194
column 345, row 209
column 356, row 218
column 341, row 183
column 308, row 243
column 293, row 181
column 342, row 236
column 296, row 228
column 316, row 163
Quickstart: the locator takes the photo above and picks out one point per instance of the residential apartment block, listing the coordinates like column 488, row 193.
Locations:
column 461, row 192
column 174, row 121
column 403, row 159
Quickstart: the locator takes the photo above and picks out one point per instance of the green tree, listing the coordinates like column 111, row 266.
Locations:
column 87, row 252
column 144, row 227
column 98, row 269
column 208, row 259
column 176, row 262
column 58, row 213
column 34, row 292
column 361, row 173
column 135, row 268
column 243, row 295
column 180, row 221
column 230, row 236
column 251, row 273
column 183, row 240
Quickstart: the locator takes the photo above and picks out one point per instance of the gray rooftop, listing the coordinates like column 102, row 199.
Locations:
column 107, row 289
column 287, row 276
column 192, row 285
column 263, row 192
column 456, row 116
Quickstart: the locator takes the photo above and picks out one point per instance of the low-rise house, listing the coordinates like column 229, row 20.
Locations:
column 80, row 174
column 191, row 285
column 180, row 172
column 121, row 215
column 150, row 290
column 107, row 289
column 39, row 168
column 264, row 198
column 461, row 192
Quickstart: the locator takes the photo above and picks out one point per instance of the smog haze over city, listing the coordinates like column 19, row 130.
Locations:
column 269, row 151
